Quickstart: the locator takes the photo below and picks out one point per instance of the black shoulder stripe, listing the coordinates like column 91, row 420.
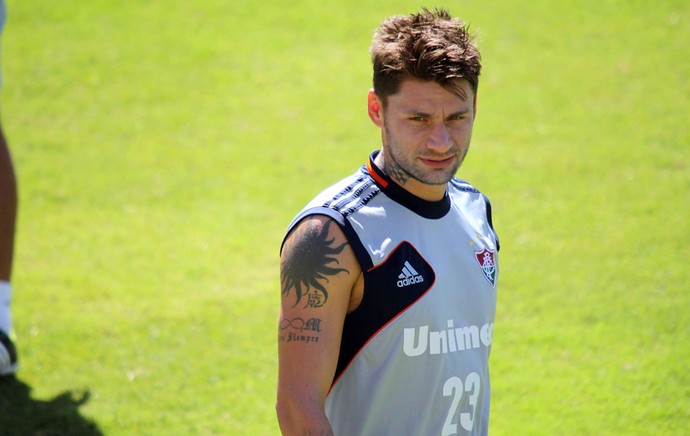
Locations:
column 340, row 201
column 346, row 193
column 362, row 201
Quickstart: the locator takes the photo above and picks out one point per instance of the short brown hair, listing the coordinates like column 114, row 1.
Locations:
column 430, row 45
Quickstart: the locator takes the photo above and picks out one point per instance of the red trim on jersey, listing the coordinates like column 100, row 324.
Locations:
column 377, row 177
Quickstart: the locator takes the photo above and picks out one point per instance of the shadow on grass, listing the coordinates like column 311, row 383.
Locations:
column 22, row 415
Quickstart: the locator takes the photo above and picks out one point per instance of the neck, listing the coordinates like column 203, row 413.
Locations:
column 402, row 178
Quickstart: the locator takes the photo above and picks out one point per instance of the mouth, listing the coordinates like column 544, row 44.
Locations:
column 437, row 162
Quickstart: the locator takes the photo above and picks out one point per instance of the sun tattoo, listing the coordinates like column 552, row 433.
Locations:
column 309, row 263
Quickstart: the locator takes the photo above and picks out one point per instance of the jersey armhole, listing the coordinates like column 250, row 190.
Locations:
column 360, row 251
column 490, row 220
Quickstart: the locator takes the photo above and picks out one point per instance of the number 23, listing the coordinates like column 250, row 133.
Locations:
column 454, row 387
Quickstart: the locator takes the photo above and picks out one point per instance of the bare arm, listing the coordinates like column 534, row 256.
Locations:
column 318, row 272
column 8, row 209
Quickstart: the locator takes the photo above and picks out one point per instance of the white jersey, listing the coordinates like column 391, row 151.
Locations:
column 414, row 355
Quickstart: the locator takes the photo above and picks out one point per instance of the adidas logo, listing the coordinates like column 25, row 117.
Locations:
column 409, row 276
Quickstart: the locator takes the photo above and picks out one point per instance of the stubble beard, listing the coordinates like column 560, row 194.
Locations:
column 402, row 170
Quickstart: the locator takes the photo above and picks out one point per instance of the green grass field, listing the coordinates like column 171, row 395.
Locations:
column 162, row 148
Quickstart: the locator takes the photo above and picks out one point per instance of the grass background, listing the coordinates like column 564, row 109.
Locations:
column 162, row 148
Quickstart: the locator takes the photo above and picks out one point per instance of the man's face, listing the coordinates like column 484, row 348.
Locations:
column 426, row 132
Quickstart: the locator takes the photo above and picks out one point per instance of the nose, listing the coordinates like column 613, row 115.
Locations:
column 439, row 138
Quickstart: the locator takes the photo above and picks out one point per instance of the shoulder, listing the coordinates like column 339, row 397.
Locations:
column 312, row 229
column 339, row 201
column 347, row 195
column 463, row 186
column 466, row 195
column 314, row 239
column 315, row 259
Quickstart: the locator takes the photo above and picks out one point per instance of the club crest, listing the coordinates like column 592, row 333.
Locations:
column 487, row 261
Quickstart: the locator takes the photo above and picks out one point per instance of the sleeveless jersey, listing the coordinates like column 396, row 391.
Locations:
column 414, row 355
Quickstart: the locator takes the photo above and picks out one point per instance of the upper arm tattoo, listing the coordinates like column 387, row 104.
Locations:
column 309, row 262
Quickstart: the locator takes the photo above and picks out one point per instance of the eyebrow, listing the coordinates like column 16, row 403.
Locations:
column 427, row 115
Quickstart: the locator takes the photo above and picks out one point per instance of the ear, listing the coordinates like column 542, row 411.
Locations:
column 474, row 115
column 375, row 108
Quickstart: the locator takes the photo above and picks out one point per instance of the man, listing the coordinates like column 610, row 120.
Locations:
column 8, row 213
column 389, row 276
